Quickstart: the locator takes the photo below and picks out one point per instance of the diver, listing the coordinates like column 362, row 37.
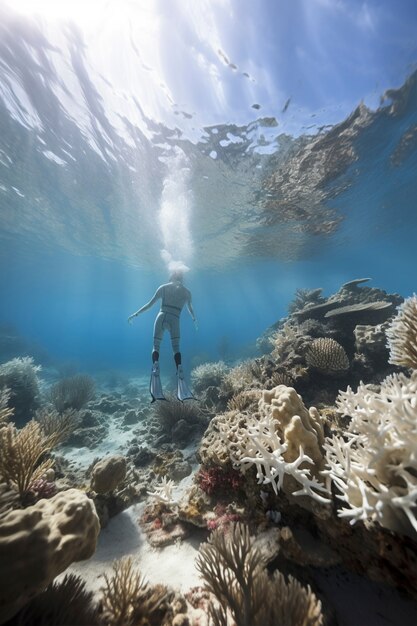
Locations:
column 173, row 296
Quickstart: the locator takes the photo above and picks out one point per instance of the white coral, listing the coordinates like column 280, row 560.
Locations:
column 402, row 335
column 375, row 464
column 263, row 448
column 164, row 492
column 283, row 438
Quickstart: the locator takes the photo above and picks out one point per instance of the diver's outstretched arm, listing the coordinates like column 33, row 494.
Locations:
column 145, row 307
column 191, row 311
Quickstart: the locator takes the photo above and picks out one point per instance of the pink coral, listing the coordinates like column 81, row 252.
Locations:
column 217, row 479
column 43, row 488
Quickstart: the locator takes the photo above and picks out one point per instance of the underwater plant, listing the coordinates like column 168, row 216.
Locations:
column 57, row 426
column 5, row 410
column 72, row 393
column 402, row 335
column 20, row 375
column 65, row 603
column 374, row 463
column 21, row 454
column 178, row 419
column 235, row 572
column 127, row 599
column 327, row 356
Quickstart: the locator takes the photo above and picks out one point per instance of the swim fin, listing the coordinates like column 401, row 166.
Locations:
column 155, row 386
column 183, row 392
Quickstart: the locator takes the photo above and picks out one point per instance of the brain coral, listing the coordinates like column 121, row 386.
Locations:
column 40, row 542
column 327, row 356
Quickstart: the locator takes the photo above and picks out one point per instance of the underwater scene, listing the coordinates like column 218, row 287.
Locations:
column 208, row 321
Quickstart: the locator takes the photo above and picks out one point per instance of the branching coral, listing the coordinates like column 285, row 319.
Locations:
column 376, row 468
column 244, row 400
column 327, row 356
column 402, row 335
column 164, row 492
column 72, row 393
column 242, row 377
column 127, row 600
column 282, row 440
column 284, row 340
column 21, row 453
column 264, row 449
column 234, row 571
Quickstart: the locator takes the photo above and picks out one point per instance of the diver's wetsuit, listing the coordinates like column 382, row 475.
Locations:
column 173, row 295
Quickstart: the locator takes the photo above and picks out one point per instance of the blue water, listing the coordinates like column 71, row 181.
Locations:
column 81, row 235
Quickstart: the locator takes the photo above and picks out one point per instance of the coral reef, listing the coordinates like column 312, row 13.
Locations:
column 282, row 439
column 20, row 375
column 39, row 542
column 356, row 317
column 234, row 571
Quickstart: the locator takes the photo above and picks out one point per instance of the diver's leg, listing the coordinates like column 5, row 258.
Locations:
column 183, row 391
column 155, row 386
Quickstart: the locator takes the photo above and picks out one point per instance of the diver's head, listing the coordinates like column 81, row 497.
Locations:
column 177, row 276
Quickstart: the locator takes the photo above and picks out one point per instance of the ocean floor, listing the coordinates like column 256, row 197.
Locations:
column 353, row 600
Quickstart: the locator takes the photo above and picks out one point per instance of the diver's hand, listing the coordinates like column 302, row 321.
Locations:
column 131, row 317
column 196, row 324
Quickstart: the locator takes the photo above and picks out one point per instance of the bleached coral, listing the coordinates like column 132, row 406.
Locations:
column 374, row 465
column 282, row 440
column 208, row 375
column 164, row 492
column 402, row 335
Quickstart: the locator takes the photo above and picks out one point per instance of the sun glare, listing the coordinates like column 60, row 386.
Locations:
column 79, row 11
